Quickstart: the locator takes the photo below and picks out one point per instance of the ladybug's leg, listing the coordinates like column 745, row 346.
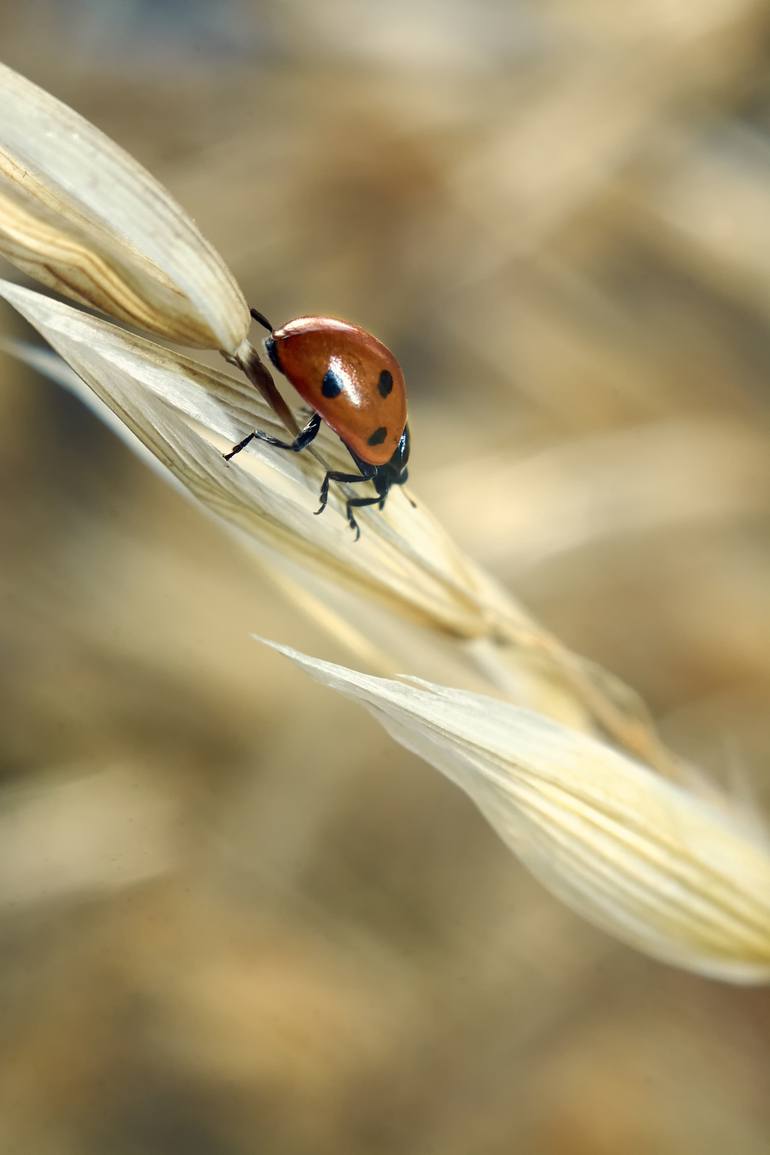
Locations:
column 237, row 448
column 358, row 503
column 366, row 474
column 303, row 438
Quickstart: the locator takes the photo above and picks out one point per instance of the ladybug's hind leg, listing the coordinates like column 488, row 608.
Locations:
column 303, row 438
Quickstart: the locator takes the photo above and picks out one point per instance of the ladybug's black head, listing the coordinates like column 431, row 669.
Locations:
column 394, row 472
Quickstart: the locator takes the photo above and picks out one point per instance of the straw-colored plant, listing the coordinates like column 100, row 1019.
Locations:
column 560, row 757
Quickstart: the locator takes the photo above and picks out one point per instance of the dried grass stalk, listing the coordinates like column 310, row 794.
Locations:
column 82, row 216
column 674, row 876
column 404, row 560
column 646, row 860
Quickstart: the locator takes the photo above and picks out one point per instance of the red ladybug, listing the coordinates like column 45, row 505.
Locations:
column 354, row 384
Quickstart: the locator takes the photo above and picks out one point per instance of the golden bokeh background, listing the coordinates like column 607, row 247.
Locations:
column 234, row 916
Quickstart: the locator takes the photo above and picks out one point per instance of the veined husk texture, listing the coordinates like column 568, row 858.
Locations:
column 647, row 860
column 670, row 874
column 82, row 216
column 405, row 568
column 674, row 876
column 79, row 213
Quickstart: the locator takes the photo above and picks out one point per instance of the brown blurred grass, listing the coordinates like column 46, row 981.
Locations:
column 234, row 917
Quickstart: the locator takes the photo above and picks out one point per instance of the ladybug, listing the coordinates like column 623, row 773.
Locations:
column 354, row 384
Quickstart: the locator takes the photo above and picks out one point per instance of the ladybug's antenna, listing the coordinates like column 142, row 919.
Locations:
column 262, row 319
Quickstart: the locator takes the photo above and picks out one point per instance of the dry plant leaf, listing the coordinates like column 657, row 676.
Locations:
column 402, row 557
column 81, row 215
column 404, row 561
column 674, row 876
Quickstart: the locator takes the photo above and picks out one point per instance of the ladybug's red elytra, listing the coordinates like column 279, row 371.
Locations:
column 353, row 383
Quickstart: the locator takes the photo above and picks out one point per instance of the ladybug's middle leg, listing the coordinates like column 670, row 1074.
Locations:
column 358, row 503
column 366, row 474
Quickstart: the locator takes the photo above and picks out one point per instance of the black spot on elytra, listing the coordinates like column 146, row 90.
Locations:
column 378, row 436
column 331, row 386
column 385, row 383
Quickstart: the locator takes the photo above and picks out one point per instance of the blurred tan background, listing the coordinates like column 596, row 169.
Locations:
column 234, row 917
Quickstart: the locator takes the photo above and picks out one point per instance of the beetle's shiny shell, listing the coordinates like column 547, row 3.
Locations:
column 347, row 376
